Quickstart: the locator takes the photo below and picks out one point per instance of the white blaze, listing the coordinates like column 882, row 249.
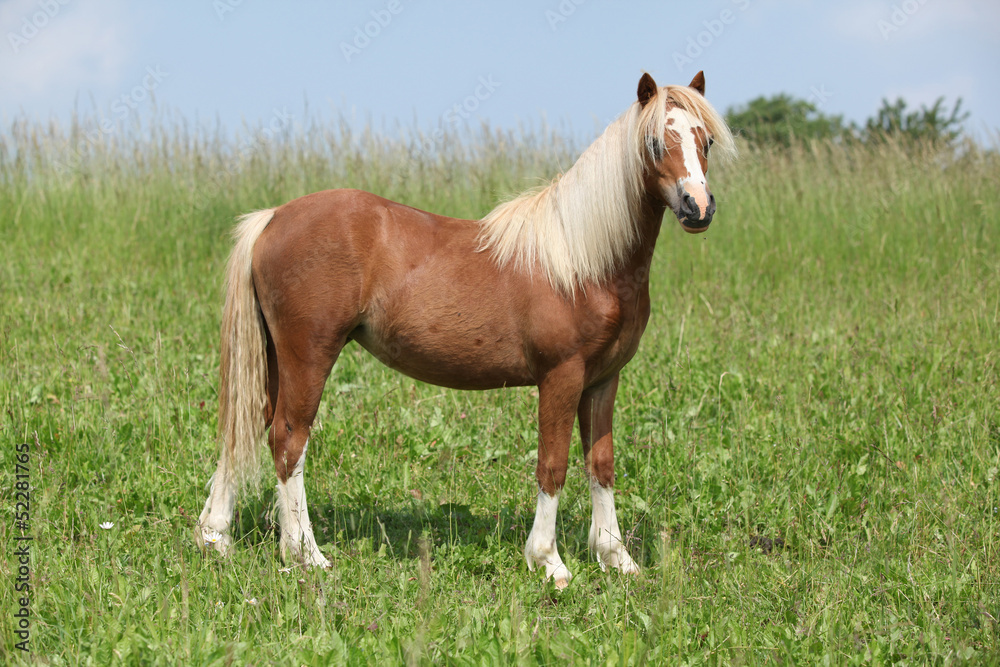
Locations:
column 695, row 183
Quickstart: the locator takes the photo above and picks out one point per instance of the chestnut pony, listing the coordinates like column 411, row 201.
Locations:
column 549, row 289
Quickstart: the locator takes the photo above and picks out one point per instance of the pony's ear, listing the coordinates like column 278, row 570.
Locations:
column 647, row 89
column 698, row 83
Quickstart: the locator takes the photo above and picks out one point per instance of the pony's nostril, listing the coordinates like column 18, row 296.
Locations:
column 687, row 203
column 689, row 206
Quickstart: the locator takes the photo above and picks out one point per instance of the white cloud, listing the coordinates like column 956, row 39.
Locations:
column 54, row 48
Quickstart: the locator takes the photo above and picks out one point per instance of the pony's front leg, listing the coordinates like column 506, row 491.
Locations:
column 595, row 413
column 558, row 396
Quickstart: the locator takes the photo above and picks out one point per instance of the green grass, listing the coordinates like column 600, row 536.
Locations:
column 820, row 368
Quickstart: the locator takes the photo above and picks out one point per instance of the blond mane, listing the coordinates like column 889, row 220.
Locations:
column 581, row 226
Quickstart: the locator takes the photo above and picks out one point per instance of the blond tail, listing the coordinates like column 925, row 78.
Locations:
column 243, row 367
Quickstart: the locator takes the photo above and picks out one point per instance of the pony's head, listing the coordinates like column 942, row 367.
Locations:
column 681, row 129
column 581, row 226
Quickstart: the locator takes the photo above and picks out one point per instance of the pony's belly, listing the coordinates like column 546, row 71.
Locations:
column 475, row 362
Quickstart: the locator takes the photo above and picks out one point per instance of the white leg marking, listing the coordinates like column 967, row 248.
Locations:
column 605, row 537
column 297, row 541
column 213, row 524
column 541, row 546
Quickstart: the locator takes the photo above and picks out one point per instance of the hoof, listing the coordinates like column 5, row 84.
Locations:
column 617, row 559
column 630, row 568
column 553, row 566
column 318, row 560
column 312, row 558
column 212, row 540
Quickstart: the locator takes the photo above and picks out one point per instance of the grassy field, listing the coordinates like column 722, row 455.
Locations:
column 808, row 438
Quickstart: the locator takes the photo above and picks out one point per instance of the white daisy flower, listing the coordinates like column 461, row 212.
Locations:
column 212, row 537
column 285, row 570
column 107, row 525
column 252, row 601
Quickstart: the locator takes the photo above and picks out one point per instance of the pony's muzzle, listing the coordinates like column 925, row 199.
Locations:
column 692, row 218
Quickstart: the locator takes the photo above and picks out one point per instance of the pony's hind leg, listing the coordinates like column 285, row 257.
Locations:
column 213, row 524
column 298, row 544
column 558, row 396
column 595, row 413
column 217, row 515
column 301, row 380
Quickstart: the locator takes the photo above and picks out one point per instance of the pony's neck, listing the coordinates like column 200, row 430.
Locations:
column 581, row 228
column 638, row 260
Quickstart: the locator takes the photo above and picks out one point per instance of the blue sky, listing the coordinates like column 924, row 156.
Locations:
column 399, row 62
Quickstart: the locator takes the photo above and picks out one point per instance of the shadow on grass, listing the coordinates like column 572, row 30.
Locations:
column 400, row 529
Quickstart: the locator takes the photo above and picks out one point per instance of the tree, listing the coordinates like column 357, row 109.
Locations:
column 933, row 124
column 781, row 119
